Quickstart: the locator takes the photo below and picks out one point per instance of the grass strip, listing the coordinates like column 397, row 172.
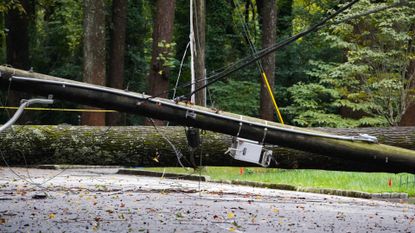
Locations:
column 351, row 181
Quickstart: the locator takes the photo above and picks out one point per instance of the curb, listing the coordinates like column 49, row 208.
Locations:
column 140, row 172
column 69, row 166
column 161, row 174
column 335, row 192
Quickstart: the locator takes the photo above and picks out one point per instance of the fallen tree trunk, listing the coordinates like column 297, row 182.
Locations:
column 360, row 149
column 144, row 146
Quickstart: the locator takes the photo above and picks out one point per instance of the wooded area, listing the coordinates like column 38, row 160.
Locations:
column 354, row 72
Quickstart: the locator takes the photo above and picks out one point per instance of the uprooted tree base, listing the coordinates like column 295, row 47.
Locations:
column 144, row 146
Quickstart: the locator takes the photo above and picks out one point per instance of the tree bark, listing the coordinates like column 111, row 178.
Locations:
column 408, row 119
column 144, row 146
column 162, row 33
column 94, row 52
column 200, row 31
column 267, row 12
column 116, row 69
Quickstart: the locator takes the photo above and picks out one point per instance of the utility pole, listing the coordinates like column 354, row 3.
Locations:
column 200, row 44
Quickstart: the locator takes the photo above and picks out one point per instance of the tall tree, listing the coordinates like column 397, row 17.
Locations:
column 268, row 18
column 200, row 32
column 158, row 78
column 408, row 119
column 116, row 69
column 372, row 81
column 17, row 40
column 94, row 52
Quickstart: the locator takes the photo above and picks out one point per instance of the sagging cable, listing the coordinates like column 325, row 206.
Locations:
column 23, row 104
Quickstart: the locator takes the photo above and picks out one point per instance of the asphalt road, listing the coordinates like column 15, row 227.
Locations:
column 98, row 200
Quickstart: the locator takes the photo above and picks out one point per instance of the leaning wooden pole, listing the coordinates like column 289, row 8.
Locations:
column 395, row 158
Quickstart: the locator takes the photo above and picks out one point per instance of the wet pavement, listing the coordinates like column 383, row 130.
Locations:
column 98, row 200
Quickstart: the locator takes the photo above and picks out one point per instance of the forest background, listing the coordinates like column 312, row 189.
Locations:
column 355, row 73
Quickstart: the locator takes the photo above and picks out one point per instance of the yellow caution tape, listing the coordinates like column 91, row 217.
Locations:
column 61, row 109
column 272, row 98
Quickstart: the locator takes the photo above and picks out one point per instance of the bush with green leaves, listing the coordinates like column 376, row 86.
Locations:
column 236, row 96
column 371, row 86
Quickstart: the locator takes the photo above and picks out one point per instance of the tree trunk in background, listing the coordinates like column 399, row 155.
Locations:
column 116, row 69
column 200, row 32
column 408, row 119
column 3, row 44
column 267, row 12
column 162, row 32
column 17, row 50
column 94, row 52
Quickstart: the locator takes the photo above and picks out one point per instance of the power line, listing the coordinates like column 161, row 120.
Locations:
column 249, row 60
column 231, row 68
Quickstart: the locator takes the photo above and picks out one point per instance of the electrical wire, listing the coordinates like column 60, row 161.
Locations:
column 249, row 60
column 261, row 69
column 180, row 70
column 231, row 68
column 178, row 153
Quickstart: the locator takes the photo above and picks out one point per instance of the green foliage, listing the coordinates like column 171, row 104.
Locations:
column 166, row 57
column 7, row 5
column 237, row 96
column 220, row 40
column 370, row 86
column 138, row 49
column 57, row 38
column 372, row 182
column 138, row 44
column 348, row 75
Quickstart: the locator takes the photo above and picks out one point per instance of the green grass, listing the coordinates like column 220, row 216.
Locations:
column 356, row 181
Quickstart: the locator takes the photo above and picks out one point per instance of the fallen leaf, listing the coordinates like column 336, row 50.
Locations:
column 179, row 215
column 52, row 216
column 232, row 229
column 2, row 221
column 231, row 215
column 236, row 224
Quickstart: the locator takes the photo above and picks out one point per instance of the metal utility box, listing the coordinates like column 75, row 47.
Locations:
column 250, row 151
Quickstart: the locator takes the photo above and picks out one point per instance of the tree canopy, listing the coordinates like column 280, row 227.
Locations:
column 357, row 71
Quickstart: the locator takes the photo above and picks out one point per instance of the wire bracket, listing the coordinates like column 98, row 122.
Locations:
column 239, row 130
column 190, row 114
column 265, row 135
